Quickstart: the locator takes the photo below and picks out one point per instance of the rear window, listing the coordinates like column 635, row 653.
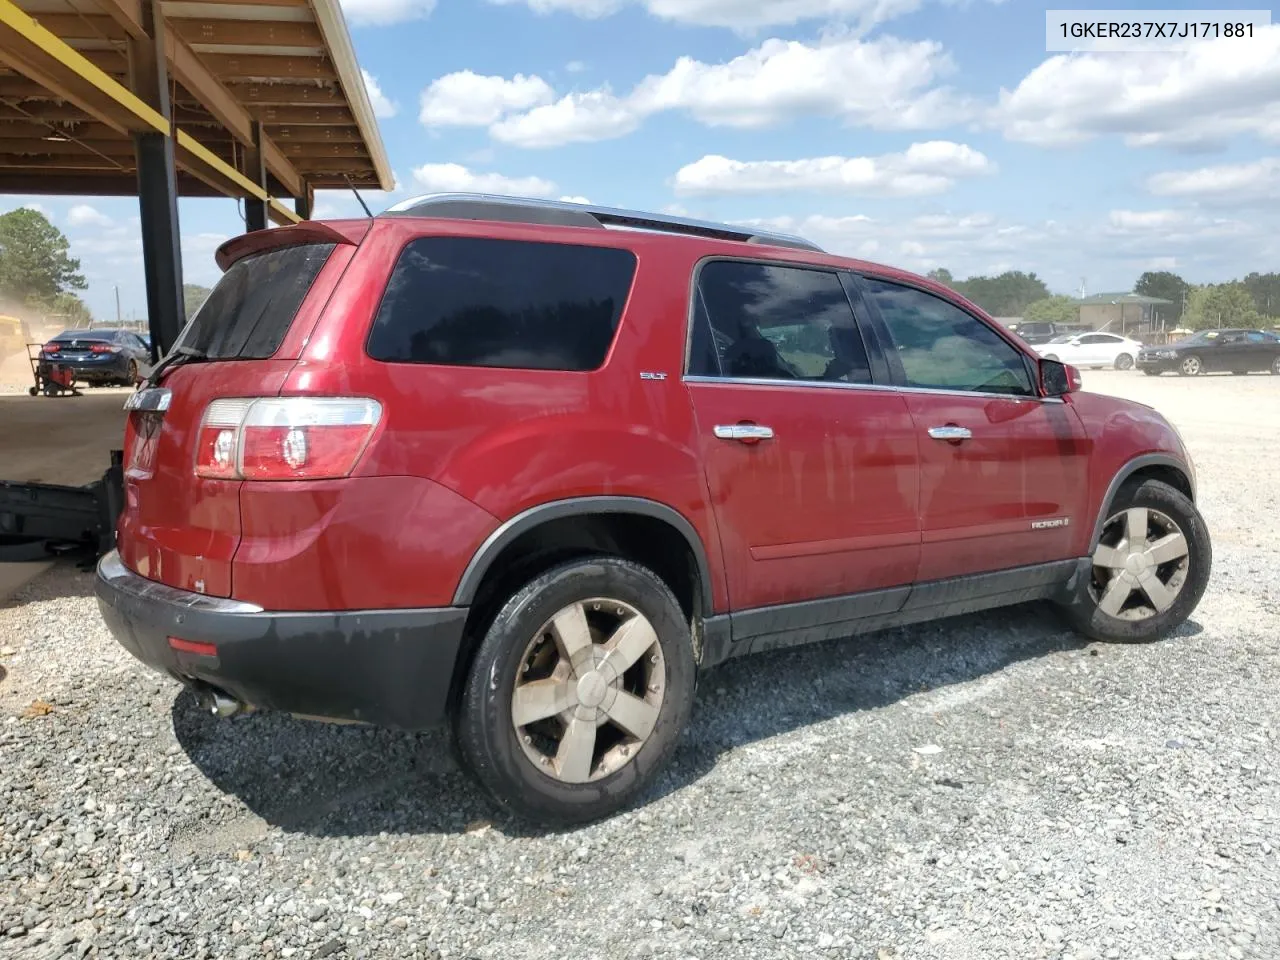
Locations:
column 463, row 301
column 251, row 307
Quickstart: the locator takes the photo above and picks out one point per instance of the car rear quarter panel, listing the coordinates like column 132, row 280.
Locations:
column 1121, row 432
column 503, row 440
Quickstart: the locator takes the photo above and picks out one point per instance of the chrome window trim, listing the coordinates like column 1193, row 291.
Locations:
column 877, row 387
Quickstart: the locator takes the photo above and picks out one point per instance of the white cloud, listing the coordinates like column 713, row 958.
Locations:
column 83, row 215
column 575, row 66
column 884, row 83
column 576, row 118
column 742, row 16
column 1232, row 182
column 574, row 200
column 455, row 178
column 383, row 13
column 925, row 168
column 1192, row 98
column 383, row 106
column 467, row 99
column 1131, row 220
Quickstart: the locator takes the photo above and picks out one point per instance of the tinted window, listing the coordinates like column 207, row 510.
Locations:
column 774, row 323
column 943, row 347
column 1098, row 338
column 1257, row 337
column 252, row 306
column 502, row 303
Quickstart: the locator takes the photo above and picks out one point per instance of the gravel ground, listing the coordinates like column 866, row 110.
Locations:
column 988, row 787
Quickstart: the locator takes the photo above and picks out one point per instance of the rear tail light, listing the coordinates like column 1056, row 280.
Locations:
column 103, row 348
column 284, row 438
column 51, row 347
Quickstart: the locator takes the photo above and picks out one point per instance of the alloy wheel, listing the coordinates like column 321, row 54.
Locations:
column 1275, row 365
column 1124, row 362
column 589, row 691
column 1191, row 366
column 1140, row 564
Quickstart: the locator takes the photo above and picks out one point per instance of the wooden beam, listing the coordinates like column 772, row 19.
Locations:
column 119, row 148
column 70, row 26
column 52, row 182
column 284, row 92
column 311, row 116
column 335, row 166
column 325, row 151
column 24, row 129
column 239, row 66
column 316, row 134
column 248, row 33
column 44, row 110
column 28, row 165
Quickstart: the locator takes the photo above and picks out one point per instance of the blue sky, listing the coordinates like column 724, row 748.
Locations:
column 920, row 133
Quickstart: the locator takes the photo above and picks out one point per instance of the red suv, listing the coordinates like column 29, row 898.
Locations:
column 528, row 468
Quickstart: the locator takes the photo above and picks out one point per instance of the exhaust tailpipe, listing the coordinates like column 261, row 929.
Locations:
column 220, row 704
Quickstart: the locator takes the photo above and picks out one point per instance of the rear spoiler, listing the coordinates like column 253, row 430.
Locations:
column 309, row 231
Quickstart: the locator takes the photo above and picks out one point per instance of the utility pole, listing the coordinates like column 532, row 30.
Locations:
column 117, row 305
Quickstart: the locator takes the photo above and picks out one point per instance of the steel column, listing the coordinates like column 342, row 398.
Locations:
column 157, row 188
column 304, row 204
column 255, row 168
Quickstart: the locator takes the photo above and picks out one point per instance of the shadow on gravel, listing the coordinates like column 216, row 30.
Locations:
column 327, row 780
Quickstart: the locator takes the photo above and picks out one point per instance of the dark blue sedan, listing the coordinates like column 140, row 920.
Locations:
column 99, row 356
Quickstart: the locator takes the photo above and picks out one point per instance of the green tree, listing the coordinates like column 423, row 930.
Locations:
column 193, row 296
column 1221, row 305
column 1165, row 286
column 941, row 275
column 1053, row 310
column 1265, row 289
column 1007, row 295
column 33, row 258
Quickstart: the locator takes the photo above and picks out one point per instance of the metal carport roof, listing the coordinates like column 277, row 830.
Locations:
column 277, row 77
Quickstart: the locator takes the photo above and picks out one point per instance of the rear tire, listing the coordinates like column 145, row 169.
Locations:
column 1124, row 362
column 1275, row 366
column 540, row 769
column 1149, row 570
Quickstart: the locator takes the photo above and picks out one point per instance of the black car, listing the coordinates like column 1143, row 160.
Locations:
column 99, row 356
column 1214, row 351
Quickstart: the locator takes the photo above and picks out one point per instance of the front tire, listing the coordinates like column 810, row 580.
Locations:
column 1124, row 362
column 1275, row 366
column 578, row 692
column 1190, row 367
column 1149, row 569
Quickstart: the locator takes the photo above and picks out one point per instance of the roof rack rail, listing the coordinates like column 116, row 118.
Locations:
column 480, row 206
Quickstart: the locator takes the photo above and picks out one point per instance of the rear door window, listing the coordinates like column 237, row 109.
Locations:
column 474, row 302
column 763, row 322
column 252, row 307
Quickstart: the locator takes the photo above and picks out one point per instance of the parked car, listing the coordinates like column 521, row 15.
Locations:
column 1092, row 350
column 1036, row 332
column 99, row 356
column 504, row 465
column 1214, row 351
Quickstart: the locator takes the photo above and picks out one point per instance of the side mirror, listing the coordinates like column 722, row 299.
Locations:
column 1058, row 379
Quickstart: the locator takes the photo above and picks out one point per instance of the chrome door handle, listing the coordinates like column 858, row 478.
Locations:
column 743, row 431
column 950, row 432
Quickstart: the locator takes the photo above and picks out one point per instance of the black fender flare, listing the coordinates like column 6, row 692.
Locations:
column 1128, row 470
column 523, row 522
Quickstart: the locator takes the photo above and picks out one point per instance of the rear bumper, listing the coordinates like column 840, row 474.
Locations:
column 391, row 668
column 114, row 368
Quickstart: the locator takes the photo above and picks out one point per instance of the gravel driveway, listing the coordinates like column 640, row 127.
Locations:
column 988, row 787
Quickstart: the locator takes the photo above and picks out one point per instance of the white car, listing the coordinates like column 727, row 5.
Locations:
column 1092, row 350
